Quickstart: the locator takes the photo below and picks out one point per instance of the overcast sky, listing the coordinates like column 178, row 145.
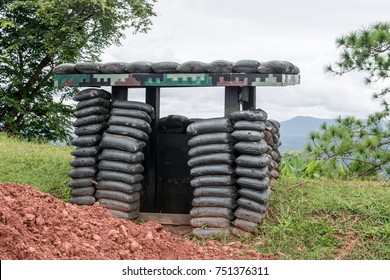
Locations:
column 300, row 31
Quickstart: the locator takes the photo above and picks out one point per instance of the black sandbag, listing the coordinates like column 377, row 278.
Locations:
column 93, row 102
column 249, row 115
column 274, row 123
column 208, row 149
column 91, row 93
column 134, row 105
column 217, row 158
column 257, row 173
column 220, row 191
column 130, row 122
column 83, row 172
column 268, row 138
column 213, row 180
column 119, row 205
column 240, row 232
column 118, row 186
column 219, row 66
column 246, row 66
column 134, row 168
column 211, row 232
column 106, row 175
column 118, row 155
column 88, row 67
column 86, row 191
column 212, row 222
column 214, row 202
column 82, row 200
column 83, row 161
column 128, row 131
column 138, row 114
column 275, row 156
column 210, row 126
column 66, row 68
column 93, row 110
column 253, row 161
column 86, row 151
column 212, row 212
column 86, row 140
column 191, row 67
column 93, row 119
column 256, row 184
column 165, row 67
column 251, row 148
column 249, row 125
column 114, row 67
column 174, row 121
column 245, row 225
column 248, row 135
column 252, row 205
column 277, row 67
column 212, row 169
column 248, row 215
column 82, row 182
column 139, row 67
column 210, row 138
column 124, row 143
column 90, row 129
column 124, row 215
column 118, row 196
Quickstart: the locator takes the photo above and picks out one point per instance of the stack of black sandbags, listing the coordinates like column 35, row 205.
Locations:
column 91, row 114
column 272, row 137
column 211, row 160
column 252, row 169
column 120, row 162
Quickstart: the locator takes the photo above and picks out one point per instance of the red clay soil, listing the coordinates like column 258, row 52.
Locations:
column 35, row 226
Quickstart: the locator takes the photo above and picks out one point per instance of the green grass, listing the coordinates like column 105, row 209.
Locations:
column 40, row 165
column 308, row 219
column 327, row 219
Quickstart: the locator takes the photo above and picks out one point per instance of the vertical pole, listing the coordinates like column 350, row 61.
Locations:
column 151, row 152
column 119, row 93
column 232, row 100
column 250, row 103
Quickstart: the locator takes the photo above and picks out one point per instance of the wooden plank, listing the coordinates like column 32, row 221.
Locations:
column 165, row 219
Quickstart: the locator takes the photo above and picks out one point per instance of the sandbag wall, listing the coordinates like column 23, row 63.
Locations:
column 211, row 162
column 92, row 112
column 120, row 162
column 232, row 196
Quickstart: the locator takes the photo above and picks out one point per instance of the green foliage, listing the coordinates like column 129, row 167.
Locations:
column 37, row 35
column 303, row 165
column 359, row 148
column 366, row 50
column 40, row 165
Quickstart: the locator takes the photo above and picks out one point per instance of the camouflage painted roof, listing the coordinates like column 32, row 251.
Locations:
column 173, row 74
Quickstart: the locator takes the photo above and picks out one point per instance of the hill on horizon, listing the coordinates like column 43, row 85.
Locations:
column 294, row 133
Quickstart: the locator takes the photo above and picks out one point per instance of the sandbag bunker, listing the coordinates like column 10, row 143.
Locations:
column 214, row 174
column 232, row 161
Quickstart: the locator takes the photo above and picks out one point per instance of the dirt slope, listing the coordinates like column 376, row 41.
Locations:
column 35, row 225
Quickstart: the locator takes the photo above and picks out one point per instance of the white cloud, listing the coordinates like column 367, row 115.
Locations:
column 300, row 31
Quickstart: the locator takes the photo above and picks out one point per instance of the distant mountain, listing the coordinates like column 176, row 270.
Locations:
column 295, row 132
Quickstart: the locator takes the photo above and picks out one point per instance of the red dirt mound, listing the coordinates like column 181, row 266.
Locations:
column 35, row 225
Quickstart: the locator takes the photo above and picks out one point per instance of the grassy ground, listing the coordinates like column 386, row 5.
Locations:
column 327, row 219
column 36, row 164
column 316, row 219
